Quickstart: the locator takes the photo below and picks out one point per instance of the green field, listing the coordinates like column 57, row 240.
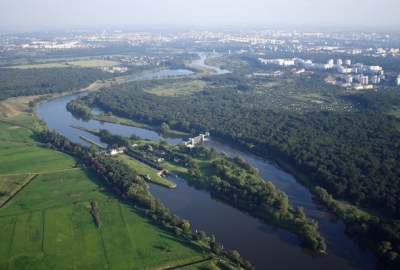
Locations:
column 181, row 88
column 47, row 223
column 395, row 111
column 11, row 184
column 21, row 153
column 82, row 63
column 144, row 169
column 308, row 97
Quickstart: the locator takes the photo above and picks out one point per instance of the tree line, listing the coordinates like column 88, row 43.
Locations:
column 39, row 81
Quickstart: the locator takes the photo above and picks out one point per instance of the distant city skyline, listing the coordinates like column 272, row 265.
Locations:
column 51, row 14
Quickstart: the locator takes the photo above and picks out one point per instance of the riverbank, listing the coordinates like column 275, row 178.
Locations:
column 127, row 122
column 246, row 190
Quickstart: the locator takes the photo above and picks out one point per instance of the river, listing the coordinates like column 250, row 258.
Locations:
column 265, row 246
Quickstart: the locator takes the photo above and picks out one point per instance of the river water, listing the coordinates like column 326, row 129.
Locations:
column 265, row 246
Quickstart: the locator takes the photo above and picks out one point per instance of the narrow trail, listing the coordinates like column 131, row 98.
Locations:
column 44, row 172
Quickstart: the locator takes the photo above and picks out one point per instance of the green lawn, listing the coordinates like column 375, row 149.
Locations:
column 21, row 158
column 395, row 111
column 22, row 153
column 10, row 184
column 307, row 97
column 146, row 170
column 82, row 63
column 181, row 88
column 48, row 224
column 94, row 63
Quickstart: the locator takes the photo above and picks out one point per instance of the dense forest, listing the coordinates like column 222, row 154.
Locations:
column 37, row 81
column 25, row 82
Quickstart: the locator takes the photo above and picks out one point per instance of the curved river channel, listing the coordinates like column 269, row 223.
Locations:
column 265, row 246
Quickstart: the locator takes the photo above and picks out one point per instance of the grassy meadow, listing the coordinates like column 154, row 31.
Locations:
column 80, row 63
column 146, row 170
column 49, row 225
column 181, row 88
column 46, row 220
column 22, row 153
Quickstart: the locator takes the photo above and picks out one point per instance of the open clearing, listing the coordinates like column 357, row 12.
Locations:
column 178, row 89
column 82, row 63
column 395, row 111
column 21, row 153
column 146, row 170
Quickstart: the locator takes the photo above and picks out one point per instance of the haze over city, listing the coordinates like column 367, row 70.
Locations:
column 39, row 14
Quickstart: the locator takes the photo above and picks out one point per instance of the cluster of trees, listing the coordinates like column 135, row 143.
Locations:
column 384, row 233
column 96, row 213
column 245, row 188
column 115, row 140
column 380, row 101
column 78, row 107
column 38, row 81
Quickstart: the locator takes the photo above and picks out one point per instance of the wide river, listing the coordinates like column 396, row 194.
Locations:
column 265, row 246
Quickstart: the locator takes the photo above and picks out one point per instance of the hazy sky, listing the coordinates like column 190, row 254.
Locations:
column 67, row 13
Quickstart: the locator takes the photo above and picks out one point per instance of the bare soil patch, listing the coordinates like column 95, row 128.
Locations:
column 14, row 106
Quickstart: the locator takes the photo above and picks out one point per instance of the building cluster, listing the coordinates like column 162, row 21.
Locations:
column 115, row 69
column 199, row 139
column 113, row 152
column 363, row 74
column 142, row 60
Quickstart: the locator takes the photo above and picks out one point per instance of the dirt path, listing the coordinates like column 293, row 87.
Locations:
column 44, row 172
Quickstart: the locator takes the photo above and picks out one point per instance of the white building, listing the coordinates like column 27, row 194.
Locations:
column 349, row 79
column 347, row 62
column 344, row 70
column 376, row 79
column 280, row 62
column 339, row 62
column 322, row 66
column 373, row 70
column 398, row 80
column 359, row 66
column 362, row 79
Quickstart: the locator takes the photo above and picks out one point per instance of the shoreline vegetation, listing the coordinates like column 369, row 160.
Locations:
column 236, row 182
column 155, row 175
